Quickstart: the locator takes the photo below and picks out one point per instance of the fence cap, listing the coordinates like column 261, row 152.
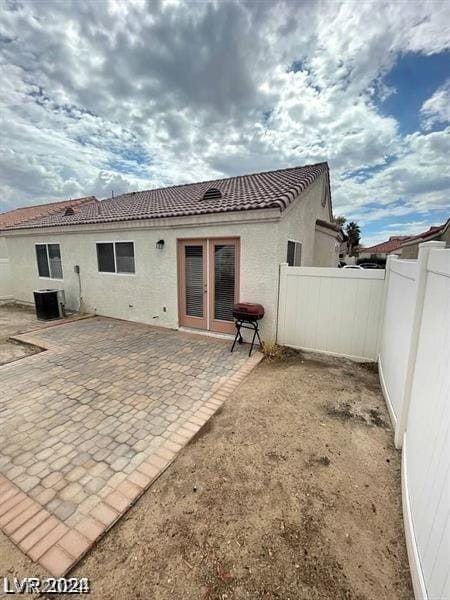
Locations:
column 432, row 244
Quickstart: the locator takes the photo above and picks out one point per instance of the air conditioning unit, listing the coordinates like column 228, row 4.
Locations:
column 50, row 304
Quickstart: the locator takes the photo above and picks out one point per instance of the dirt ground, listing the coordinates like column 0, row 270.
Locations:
column 13, row 319
column 291, row 492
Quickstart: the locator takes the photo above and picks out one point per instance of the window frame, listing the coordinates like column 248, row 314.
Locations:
column 114, row 242
column 296, row 244
column 47, row 244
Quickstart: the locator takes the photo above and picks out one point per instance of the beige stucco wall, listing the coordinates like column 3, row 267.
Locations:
column 5, row 273
column 326, row 248
column 3, row 248
column 150, row 295
column 143, row 296
column 298, row 222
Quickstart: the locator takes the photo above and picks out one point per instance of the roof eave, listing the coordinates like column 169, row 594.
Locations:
column 260, row 215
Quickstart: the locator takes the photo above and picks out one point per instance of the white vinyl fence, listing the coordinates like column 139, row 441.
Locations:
column 5, row 280
column 403, row 319
column 422, row 403
column 336, row 311
column 397, row 326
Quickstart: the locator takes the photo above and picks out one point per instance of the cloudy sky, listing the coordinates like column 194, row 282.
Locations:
column 131, row 94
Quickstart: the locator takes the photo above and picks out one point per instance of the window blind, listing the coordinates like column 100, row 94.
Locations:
column 224, row 267
column 194, row 280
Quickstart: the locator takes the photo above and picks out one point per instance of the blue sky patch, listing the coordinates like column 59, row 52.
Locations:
column 415, row 77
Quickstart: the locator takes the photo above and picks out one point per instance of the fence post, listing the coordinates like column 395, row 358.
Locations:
column 281, row 308
column 387, row 276
column 422, row 273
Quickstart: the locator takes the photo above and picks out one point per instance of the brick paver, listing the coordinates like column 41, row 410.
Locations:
column 86, row 426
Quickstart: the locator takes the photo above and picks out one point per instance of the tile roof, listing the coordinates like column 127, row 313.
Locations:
column 391, row 245
column 396, row 242
column 427, row 235
column 16, row 217
column 272, row 189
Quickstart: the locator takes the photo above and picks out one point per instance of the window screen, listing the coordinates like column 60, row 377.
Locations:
column 42, row 261
column 125, row 257
column 294, row 254
column 105, row 257
column 54, row 258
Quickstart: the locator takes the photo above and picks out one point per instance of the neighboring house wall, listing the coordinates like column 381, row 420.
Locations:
column 409, row 252
column 298, row 222
column 326, row 248
column 369, row 255
column 143, row 296
column 412, row 250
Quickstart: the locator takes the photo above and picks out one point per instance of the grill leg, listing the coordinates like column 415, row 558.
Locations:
column 255, row 334
column 238, row 335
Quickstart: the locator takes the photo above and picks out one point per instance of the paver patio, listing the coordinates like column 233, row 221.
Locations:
column 87, row 425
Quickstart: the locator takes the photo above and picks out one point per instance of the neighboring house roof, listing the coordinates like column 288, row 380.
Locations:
column 393, row 244
column 16, row 217
column 272, row 189
column 396, row 242
column 428, row 235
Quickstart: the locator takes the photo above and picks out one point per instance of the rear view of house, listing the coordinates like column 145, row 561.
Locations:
column 180, row 256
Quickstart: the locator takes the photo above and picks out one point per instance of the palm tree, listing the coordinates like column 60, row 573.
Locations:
column 354, row 236
column 339, row 220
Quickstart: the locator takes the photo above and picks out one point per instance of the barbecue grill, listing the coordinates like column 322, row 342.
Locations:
column 246, row 316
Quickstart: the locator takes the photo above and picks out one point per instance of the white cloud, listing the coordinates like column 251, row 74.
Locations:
column 112, row 95
column 417, row 181
column 437, row 108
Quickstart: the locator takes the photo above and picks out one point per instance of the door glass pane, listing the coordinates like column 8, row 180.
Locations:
column 54, row 256
column 125, row 257
column 42, row 263
column 194, row 280
column 105, row 257
column 224, row 279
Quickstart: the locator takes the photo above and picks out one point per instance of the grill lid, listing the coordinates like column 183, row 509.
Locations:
column 248, row 309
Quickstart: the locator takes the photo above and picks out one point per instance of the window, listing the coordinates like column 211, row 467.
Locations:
column 115, row 257
column 294, row 253
column 48, row 257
